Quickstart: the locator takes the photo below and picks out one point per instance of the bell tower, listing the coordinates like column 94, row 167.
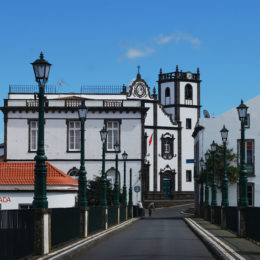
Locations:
column 179, row 94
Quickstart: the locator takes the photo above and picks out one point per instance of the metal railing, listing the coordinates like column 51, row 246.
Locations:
column 65, row 225
column 103, row 89
column 96, row 220
column 112, row 215
column 122, row 213
column 16, row 234
column 30, row 89
column 217, row 215
column 232, row 221
column 252, row 217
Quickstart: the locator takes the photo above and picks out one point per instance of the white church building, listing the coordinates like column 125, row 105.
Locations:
column 156, row 132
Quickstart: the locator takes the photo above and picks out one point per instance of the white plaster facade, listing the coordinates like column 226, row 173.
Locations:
column 140, row 115
column 15, row 199
column 208, row 129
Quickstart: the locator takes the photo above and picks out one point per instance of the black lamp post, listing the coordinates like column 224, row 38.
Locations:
column 207, row 180
column 103, row 199
column 116, row 186
column 41, row 69
column 202, row 164
column 224, row 135
column 124, row 155
column 214, row 185
column 243, row 197
column 82, row 111
column 130, row 202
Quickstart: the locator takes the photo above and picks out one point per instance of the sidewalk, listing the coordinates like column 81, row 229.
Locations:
column 223, row 243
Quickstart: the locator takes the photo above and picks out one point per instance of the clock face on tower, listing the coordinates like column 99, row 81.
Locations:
column 140, row 90
column 189, row 75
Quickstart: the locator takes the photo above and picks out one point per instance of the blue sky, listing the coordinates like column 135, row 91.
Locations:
column 102, row 42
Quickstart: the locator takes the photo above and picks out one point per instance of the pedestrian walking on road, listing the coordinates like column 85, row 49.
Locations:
column 150, row 207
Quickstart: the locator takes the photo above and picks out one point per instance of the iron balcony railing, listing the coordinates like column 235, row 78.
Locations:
column 103, row 89
column 28, row 89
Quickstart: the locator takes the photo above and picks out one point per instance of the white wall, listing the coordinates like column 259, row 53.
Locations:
column 55, row 199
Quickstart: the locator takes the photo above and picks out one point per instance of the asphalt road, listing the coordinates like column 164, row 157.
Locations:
column 162, row 236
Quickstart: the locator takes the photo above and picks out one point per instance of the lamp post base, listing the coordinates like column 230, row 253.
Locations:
column 42, row 231
column 84, row 222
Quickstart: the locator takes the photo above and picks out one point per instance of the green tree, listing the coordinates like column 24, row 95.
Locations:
column 94, row 191
column 232, row 166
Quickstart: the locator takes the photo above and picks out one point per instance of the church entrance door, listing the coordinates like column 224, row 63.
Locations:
column 167, row 188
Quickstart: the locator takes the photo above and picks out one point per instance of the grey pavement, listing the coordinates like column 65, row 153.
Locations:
column 162, row 236
column 243, row 247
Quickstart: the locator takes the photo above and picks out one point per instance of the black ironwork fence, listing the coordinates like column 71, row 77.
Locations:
column 217, row 215
column 232, row 221
column 122, row 213
column 16, row 234
column 29, row 89
column 65, row 225
column 103, row 89
column 129, row 212
column 112, row 215
column 252, row 217
column 96, row 219
column 201, row 211
column 208, row 213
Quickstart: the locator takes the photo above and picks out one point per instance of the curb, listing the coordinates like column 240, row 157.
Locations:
column 216, row 246
column 77, row 246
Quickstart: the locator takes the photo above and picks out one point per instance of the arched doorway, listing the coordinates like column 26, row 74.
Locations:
column 167, row 176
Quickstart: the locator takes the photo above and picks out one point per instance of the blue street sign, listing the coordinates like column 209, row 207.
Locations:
column 137, row 188
column 190, row 161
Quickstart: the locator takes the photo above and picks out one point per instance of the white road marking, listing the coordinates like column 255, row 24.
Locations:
column 225, row 249
column 83, row 242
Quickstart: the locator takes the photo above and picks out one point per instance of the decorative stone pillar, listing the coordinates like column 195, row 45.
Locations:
column 42, row 231
column 212, row 220
column 223, row 217
column 241, row 221
column 130, row 209
column 118, row 214
column 83, row 222
column 105, row 217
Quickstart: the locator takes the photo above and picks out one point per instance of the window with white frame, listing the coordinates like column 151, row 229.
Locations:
column 33, row 138
column 188, row 175
column 74, row 135
column 249, row 155
column 112, row 134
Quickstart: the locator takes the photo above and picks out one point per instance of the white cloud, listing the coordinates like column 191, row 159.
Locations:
column 163, row 39
column 177, row 37
column 134, row 53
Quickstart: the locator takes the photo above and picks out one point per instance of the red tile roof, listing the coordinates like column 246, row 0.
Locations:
column 23, row 173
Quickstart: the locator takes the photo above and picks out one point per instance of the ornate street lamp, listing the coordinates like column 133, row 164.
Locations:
column 124, row 155
column 116, row 186
column 130, row 202
column 41, row 69
column 207, row 179
column 82, row 190
column 214, row 185
column 202, row 164
column 224, row 135
column 103, row 199
column 243, row 199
